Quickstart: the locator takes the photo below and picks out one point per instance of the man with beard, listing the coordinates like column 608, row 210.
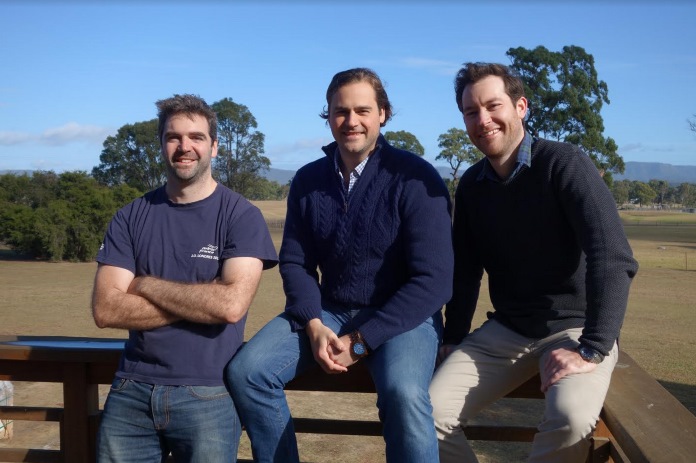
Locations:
column 178, row 268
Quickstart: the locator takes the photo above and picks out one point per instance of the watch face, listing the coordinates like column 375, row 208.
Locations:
column 359, row 348
column 588, row 355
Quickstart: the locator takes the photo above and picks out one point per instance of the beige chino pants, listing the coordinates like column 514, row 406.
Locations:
column 494, row 360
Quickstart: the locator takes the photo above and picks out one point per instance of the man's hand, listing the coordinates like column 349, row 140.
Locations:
column 326, row 346
column 560, row 363
column 345, row 357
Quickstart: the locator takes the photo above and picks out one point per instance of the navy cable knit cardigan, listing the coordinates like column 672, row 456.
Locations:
column 552, row 244
column 388, row 247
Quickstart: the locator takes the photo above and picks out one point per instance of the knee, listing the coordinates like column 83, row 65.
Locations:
column 574, row 425
column 405, row 399
column 245, row 371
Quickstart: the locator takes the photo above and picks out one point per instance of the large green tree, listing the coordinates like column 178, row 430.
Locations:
column 457, row 149
column 240, row 160
column 132, row 156
column 405, row 140
column 565, row 101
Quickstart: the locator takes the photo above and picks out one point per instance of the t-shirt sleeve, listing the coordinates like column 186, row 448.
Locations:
column 117, row 247
column 248, row 236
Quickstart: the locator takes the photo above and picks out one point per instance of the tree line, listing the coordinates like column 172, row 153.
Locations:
column 63, row 217
column 654, row 193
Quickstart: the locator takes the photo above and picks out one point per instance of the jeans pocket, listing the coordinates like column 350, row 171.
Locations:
column 208, row 392
column 119, row 384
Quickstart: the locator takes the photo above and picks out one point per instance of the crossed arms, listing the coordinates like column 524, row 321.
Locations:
column 122, row 300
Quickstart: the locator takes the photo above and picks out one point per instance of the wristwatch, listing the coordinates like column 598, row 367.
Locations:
column 357, row 345
column 588, row 354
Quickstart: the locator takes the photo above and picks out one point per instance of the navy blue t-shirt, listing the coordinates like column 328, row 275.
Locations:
column 184, row 243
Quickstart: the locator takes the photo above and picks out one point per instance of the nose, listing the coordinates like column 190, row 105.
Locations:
column 184, row 144
column 483, row 118
column 351, row 119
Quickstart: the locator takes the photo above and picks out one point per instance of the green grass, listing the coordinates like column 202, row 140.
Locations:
column 53, row 299
column 658, row 217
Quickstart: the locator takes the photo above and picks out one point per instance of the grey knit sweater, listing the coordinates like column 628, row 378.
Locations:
column 552, row 244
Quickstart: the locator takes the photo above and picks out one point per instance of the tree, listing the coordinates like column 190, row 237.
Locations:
column 240, row 157
column 686, row 194
column 405, row 140
column 457, row 149
column 132, row 156
column 642, row 194
column 565, row 100
column 692, row 123
column 620, row 190
column 661, row 187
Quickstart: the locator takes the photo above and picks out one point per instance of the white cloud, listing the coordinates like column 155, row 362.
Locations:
column 631, row 147
column 74, row 132
column 71, row 132
column 14, row 138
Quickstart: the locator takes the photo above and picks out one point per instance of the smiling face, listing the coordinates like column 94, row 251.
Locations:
column 493, row 121
column 355, row 120
column 187, row 148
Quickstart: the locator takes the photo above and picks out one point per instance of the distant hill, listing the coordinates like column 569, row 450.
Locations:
column 646, row 171
column 281, row 176
column 641, row 171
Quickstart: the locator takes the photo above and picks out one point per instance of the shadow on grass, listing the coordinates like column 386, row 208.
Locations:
column 685, row 393
column 7, row 254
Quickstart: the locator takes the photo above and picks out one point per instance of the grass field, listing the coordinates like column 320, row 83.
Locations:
column 44, row 298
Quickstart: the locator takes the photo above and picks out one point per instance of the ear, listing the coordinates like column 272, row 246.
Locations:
column 521, row 107
column 382, row 116
column 214, row 150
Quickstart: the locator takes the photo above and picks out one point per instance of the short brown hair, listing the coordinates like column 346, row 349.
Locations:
column 185, row 104
column 359, row 75
column 473, row 72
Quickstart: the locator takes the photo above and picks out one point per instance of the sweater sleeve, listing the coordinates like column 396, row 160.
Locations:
column 591, row 210
column 298, row 263
column 426, row 225
column 468, row 272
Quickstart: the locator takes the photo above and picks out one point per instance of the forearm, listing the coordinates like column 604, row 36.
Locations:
column 210, row 303
column 116, row 309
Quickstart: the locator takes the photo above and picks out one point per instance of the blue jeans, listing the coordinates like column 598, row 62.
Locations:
column 144, row 423
column 401, row 369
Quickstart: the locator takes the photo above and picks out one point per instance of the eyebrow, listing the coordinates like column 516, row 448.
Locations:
column 357, row 108
column 487, row 102
column 190, row 134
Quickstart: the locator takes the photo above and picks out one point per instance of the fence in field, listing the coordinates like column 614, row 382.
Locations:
column 640, row 421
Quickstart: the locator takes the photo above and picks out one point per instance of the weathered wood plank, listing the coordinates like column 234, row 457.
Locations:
column 651, row 425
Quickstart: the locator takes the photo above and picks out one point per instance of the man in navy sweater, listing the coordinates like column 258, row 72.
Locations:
column 537, row 217
column 374, row 222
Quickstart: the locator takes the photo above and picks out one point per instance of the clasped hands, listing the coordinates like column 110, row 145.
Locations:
column 331, row 352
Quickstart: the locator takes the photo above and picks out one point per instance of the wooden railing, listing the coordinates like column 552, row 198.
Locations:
column 640, row 421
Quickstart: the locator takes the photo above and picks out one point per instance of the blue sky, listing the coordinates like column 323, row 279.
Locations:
column 74, row 72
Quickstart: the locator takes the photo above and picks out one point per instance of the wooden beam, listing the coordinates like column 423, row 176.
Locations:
column 650, row 423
